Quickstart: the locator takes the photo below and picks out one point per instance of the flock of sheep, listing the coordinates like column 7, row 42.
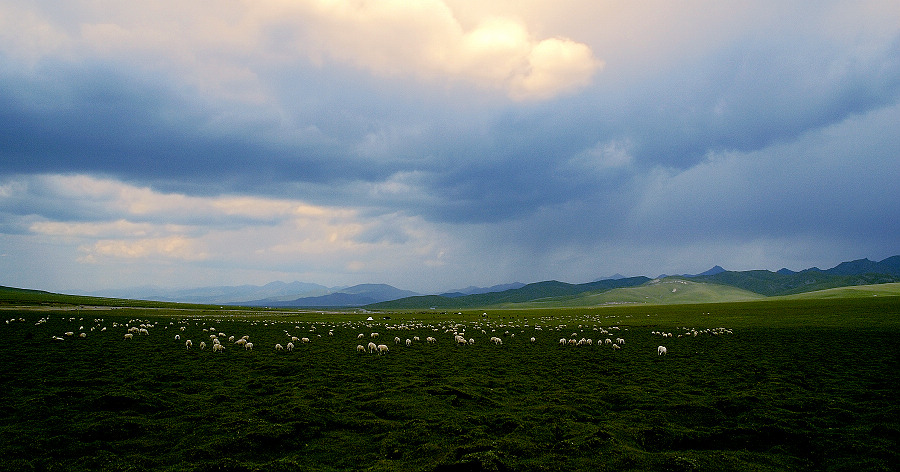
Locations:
column 461, row 334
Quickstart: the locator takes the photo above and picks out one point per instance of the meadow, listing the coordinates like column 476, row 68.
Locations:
column 767, row 385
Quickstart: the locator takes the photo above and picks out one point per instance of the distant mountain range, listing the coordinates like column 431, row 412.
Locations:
column 382, row 296
column 753, row 283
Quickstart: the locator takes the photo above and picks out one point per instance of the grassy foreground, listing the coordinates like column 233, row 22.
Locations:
column 786, row 385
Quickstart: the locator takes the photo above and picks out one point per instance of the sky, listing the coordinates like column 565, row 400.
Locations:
column 437, row 144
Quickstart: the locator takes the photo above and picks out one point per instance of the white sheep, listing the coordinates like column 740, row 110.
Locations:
column 430, row 340
column 620, row 341
column 187, row 344
column 202, row 345
column 532, row 339
column 616, row 346
column 248, row 346
column 408, row 342
column 304, row 340
column 128, row 335
column 178, row 337
column 371, row 347
column 218, row 348
column 382, row 349
column 290, row 347
column 397, row 340
column 661, row 351
column 279, row 347
column 562, row 341
column 360, row 348
column 361, row 336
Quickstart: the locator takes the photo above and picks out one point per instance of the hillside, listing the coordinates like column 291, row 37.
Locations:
column 713, row 286
column 773, row 284
column 856, row 291
column 528, row 293
column 670, row 290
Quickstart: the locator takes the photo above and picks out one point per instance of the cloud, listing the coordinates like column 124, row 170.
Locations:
column 426, row 40
column 134, row 224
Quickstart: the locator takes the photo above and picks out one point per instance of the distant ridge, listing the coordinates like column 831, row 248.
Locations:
column 357, row 295
column 526, row 293
column 761, row 282
column 472, row 290
column 712, row 271
column 303, row 294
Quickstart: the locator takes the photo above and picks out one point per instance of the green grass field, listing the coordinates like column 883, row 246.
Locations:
column 808, row 384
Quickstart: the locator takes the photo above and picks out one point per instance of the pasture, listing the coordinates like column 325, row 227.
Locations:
column 786, row 385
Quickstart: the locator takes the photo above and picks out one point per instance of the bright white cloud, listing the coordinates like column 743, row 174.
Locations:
column 221, row 51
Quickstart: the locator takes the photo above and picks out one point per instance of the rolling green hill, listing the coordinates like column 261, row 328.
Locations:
column 772, row 284
column 670, row 290
column 529, row 293
column 856, row 291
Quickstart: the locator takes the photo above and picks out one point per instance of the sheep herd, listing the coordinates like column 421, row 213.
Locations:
column 286, row 335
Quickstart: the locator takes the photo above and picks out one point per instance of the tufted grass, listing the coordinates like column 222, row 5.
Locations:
column 796, row 385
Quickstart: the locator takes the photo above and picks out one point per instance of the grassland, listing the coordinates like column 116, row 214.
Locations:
column 806, row 384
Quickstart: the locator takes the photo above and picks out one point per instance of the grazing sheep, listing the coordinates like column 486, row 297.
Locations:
column 607, row 341
column 304, row 340
column 616, row 346
column 408, row 342
column 128, row 335
column 290, row 347
column 218, row 348
column 532, row 339
column 248, row 346
column 360, row 336
column 562, row 341
column 430, row 340
column 187, row 344
column 241, row 341
column 416, row 338
column 397, row 340
column 471, row 340
column 360, row 348
column 371, row 347
column 661, row 351
column 178, row 337
column 279, row 347
column 69, row 333
column 373, row 335
column 202, row 345
column 620, row 341
column 382, row 349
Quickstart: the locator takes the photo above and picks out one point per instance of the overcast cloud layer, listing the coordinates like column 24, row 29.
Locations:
column 435, row 144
